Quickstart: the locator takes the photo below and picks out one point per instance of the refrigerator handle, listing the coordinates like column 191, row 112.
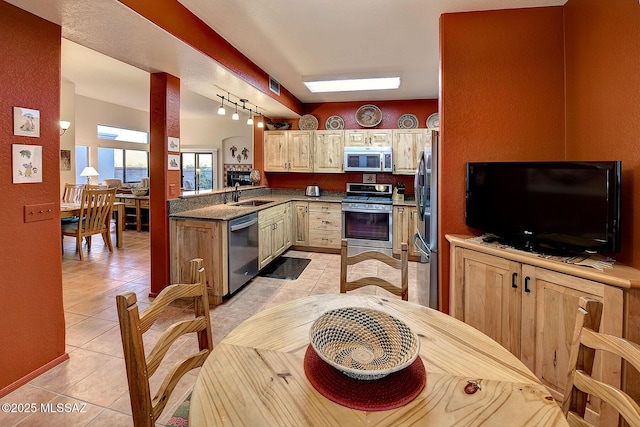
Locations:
column 422, row 245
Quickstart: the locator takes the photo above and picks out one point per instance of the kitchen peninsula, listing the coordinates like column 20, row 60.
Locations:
column 200, row 228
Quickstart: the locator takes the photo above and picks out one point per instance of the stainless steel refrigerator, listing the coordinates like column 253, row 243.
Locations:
column 426, row 236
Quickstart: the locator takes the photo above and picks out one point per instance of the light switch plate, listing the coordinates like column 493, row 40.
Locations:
column 39, row 212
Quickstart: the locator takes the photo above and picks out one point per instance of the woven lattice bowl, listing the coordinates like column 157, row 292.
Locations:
column 363, row 343
column 139, row 191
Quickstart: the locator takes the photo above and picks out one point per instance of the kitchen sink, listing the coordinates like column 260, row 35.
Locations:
column 253, row 203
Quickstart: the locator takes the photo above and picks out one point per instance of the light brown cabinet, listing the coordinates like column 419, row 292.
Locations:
column 370, row 137
column 300, row 223
column 192, row 238
column 288, row 151
column 272, row 233
column 328, row 148
column 407, row 146
column 405, row 224
column 325, row 225
column 528, row 304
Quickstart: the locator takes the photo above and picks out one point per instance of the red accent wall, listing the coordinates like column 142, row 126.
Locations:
column 164, row 184
column 182, row 23
column 603, row 98
column 32, row 318
column 391, row 112
column 502, row 98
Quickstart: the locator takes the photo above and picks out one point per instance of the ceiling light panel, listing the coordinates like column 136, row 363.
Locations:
column 352, row 85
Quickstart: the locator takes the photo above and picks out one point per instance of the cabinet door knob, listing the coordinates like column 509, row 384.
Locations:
column 514, row 278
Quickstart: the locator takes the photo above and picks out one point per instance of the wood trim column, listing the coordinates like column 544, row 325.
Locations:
column 164, row 184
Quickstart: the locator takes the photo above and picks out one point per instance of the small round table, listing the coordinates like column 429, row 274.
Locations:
column 255, row 376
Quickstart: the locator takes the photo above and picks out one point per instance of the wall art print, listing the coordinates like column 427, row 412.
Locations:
column 27, row 163
column 174, row 162
column 65, row 160
column 173, row 144
column 26, row 122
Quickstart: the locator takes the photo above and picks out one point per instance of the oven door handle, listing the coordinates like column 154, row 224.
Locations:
column 421, row 245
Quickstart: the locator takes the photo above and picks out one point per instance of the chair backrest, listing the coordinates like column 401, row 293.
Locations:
column 96, row 187
column 72, row 193
column 144, row 183
column 112, row 182
column 95, row 210
column 401, row 289
column 141, row 367
column 580, row 384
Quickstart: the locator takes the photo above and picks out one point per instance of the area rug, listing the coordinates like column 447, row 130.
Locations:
column 288, row 268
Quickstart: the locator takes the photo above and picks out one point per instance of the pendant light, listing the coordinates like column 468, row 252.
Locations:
column 235, row 115
column 260, row 122
column 250, row 119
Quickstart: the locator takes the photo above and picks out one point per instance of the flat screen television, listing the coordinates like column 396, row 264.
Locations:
column 549, row 207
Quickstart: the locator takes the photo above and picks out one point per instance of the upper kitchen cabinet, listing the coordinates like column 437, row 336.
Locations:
column 328, row 151
column 407, row 145
column 368, row 137
column 288, row 151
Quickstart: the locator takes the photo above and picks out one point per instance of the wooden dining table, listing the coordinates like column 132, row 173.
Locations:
column 70, row 210
column 255, row 375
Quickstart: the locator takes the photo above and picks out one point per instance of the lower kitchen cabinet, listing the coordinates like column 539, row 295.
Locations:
column 300, row 223
column 192, row 238
column 405, row 224
column 272, row 233
column 528, row 304
column 325, row 225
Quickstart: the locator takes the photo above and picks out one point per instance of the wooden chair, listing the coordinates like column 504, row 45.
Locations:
column 72, row 193
column 94, row 218
column 112, row 182
column 141, row 365
column 402, row 264
column 586, row 341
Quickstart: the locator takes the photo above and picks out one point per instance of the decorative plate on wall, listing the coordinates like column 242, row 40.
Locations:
column 368, row 116
column 308, row 122
column 408, row 121
column 334, row 123
column 433, row 121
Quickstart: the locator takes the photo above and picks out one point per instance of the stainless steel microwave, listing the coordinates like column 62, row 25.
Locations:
column 367, row 159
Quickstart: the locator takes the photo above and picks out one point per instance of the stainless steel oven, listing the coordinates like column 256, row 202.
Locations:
column 367, row 215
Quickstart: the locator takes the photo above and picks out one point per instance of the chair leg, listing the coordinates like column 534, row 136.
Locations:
column 106, row 236
column 79, row 247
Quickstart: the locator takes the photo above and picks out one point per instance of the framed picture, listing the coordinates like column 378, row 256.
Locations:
column 65, row 160
column 26, row 122
column 174, row 162
column 174, row 144
column 27, row 163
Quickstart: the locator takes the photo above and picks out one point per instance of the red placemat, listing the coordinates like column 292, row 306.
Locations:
column 390, row 392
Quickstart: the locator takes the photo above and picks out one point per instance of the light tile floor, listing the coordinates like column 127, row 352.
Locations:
column 92, row 383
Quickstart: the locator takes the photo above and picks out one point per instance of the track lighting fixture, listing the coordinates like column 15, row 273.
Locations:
column 235, row 115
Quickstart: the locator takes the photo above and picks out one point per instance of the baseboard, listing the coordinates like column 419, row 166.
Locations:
column 41, row 370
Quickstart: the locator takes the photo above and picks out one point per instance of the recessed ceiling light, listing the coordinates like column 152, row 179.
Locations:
column 348, row 85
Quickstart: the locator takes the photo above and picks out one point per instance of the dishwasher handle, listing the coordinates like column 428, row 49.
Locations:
column 421, row 245
column 242, row 225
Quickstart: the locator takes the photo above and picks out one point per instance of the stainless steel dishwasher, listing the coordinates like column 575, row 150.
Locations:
column 243, row 250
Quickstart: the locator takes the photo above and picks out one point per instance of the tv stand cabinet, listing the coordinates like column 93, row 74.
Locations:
column 528, row 304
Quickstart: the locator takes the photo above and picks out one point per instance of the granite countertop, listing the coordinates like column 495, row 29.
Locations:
column 229, row 211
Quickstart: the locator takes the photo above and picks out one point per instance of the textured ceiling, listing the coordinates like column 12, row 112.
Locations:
column 110, row 59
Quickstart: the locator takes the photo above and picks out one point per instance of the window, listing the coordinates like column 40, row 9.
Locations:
column 119, row 134
column 197, row 171
column 128, row 165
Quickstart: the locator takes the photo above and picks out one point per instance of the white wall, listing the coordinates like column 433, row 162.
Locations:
column 203, row 133
column 91, row 112
column 68, row 140
column 196, row 133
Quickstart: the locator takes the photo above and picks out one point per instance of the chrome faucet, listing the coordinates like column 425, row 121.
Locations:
column 236, row 193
